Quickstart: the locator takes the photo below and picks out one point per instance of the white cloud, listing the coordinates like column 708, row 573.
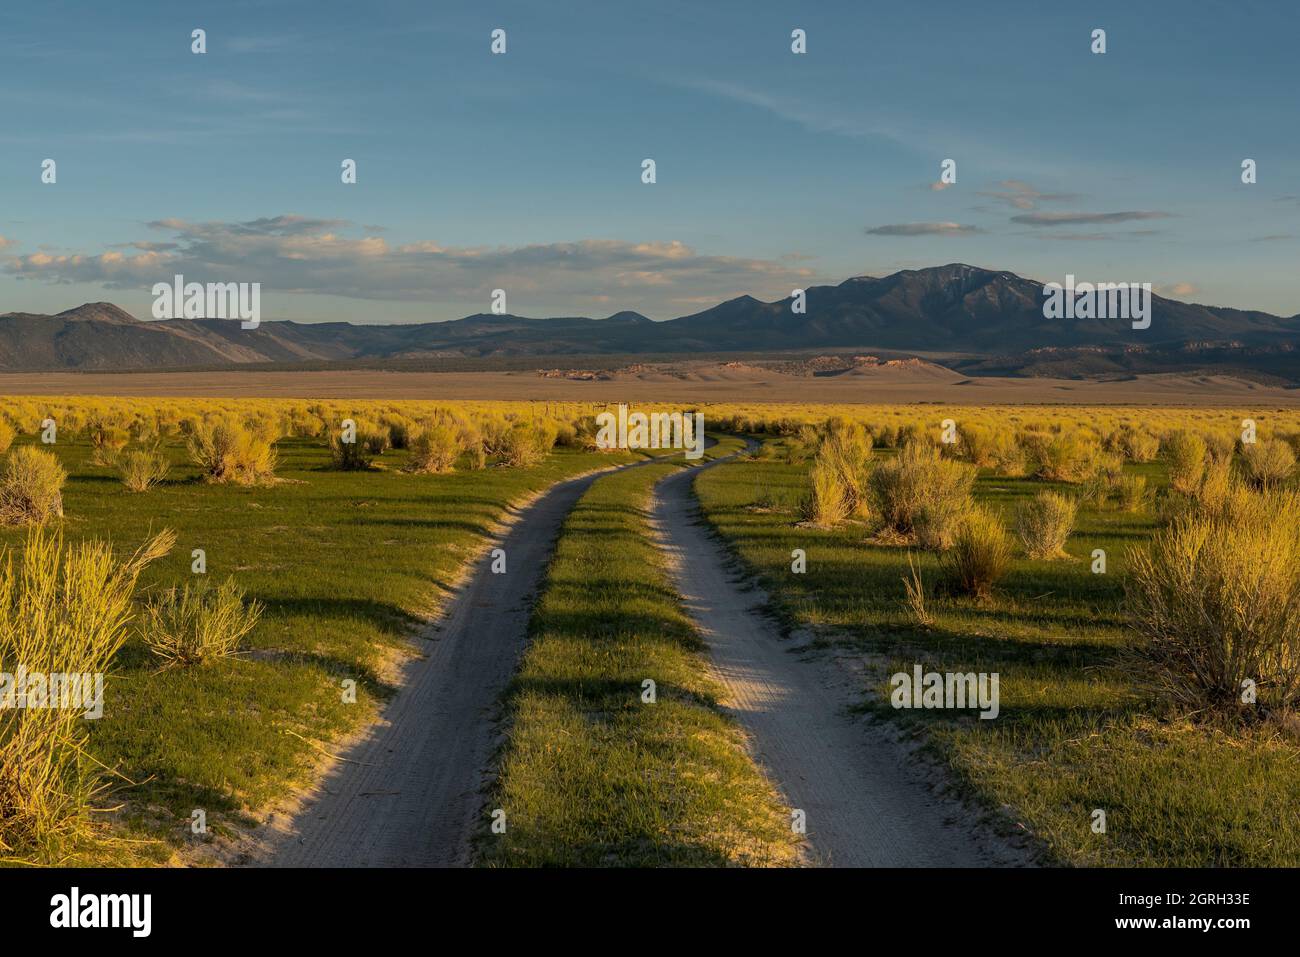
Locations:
column 299, row 254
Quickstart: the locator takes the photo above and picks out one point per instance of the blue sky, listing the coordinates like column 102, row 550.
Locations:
column 523, row 171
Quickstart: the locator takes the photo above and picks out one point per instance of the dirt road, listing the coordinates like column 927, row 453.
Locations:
column 866, row 804
column 408, row 794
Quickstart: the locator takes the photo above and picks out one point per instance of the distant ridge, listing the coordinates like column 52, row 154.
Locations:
column 987, row 321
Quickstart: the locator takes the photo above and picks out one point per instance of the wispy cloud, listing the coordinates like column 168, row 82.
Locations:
column 924, row 229
column 1129, row 234
column 266, row 44
column 812, row 116
column 1021, row 195
column 1087, row 219
column 228, row 91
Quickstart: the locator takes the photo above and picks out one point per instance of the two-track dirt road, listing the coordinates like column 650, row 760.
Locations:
column 865, row 804
column 409, row 793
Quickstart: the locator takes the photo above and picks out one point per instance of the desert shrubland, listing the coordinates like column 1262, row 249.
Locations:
column 524, row 446
column 940, row 518
column 400, row 429
column 1139, row 445
column 845, row 450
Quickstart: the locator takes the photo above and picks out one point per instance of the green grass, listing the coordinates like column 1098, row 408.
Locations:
column 592, row 776
column 1072, row 736
column 346, row 564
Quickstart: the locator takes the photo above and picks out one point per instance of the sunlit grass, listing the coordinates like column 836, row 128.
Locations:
column 345, row 563
column 1073, row 736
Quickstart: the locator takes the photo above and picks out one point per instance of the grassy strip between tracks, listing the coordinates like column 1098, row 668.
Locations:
column 591, row 773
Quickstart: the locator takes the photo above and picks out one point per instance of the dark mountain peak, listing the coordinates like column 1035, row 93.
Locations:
column 953, row 274
column 953, row 308
column 960, row 269
column 98, row 312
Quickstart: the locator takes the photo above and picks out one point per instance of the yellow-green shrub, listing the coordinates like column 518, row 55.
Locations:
column 62, row 610
column 198, row 622
column 845, row 449
column 1062, row 457
column 225, row 451
column 980, row 554
column 434, row 448
column 1215, row 601
column 1044, row 523
column 1132, row 492
column 1269, row 463
column 993, row 448
column 1184, row 453
column 31, row 487
column 142, row 469
column 917, row 478
column 524, row 446
column 826, row 502
column 106, row 442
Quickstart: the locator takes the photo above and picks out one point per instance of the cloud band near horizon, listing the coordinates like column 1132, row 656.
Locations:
column 299, row 254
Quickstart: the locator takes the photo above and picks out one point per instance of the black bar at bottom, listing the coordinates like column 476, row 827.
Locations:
column 342, row 908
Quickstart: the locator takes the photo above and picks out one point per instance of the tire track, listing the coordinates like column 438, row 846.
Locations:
column 865, row 804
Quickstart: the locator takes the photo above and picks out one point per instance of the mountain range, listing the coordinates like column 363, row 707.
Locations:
column 978, row 321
